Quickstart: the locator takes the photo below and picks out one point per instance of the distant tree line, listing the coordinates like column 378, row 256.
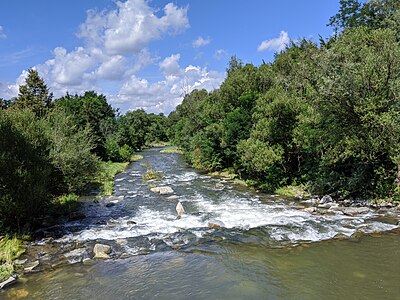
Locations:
column 52, row 147
column 323, row 115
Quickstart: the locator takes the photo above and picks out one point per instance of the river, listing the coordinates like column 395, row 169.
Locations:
column 266, row 247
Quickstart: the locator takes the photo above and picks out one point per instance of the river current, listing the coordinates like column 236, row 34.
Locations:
column 260, row 247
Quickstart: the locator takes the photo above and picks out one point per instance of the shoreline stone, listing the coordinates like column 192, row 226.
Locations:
column 101, row 251
column 11, row 280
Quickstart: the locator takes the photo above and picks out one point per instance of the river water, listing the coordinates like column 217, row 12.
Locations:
column 266, row 247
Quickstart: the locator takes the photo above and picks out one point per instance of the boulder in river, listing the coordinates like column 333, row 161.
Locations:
column 101, row 251
column 76, row 215
column 155, row 189
column 179, row 209
column 326, row 199
column 310, row 209
column 352, row 211
column 166, row 190
column 173, row 197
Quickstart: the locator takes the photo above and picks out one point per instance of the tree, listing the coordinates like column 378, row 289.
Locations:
column 34, row 95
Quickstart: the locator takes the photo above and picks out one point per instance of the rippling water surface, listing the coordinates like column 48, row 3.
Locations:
column 265, row 248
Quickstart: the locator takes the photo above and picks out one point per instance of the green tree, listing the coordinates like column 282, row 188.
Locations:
column 34, row 95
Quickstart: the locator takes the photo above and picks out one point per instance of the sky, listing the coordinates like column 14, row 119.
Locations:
column 147, row 53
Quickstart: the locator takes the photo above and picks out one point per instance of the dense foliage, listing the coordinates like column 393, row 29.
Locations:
column 53, row 148
column 326, row 116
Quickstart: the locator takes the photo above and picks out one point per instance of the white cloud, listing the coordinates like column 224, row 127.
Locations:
column 220, row 54
column 166, row 94
column 115, row 49
column 130, row 27
column 200, row 42
column 277, row 44
column 170, row 65
column 2, row 34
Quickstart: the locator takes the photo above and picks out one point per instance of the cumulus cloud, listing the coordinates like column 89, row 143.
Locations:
column 2, row 34
column 115, row 50
column 170, row 65
column 200, row 42
column 132, row 26
column 166, row 94
column 277, row 44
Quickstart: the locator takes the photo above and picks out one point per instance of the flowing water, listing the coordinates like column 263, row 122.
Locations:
column 261, row 246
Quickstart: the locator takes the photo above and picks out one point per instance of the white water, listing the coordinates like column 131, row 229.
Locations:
column 232, row 210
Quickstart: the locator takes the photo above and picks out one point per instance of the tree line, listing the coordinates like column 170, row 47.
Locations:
column 322, row 115
column 52, row 147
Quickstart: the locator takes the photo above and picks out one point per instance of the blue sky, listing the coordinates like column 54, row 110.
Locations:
column 146, row 53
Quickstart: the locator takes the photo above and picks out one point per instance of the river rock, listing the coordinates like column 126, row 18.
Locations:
column 325, row 205
column 31, row 266
column 326, row 199
column 166, row 190
column 219, row 185
column 110, row 204
column 213, row 225
column 352, row 211
column 179, row 209
column 19, row 262
column 130, row 222
column 101, row 251
column 173, row 197
column 155, row 189
column 310, row 209
column 8, row 282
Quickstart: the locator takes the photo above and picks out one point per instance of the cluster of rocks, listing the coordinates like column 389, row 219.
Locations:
column 327, row 204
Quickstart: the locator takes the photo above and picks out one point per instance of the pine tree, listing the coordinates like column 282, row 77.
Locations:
column 34, row 95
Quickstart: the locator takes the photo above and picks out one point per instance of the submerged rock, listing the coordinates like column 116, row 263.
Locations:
column 166, row 190
column 130, row 222
column 101, row 251
column 179, row 209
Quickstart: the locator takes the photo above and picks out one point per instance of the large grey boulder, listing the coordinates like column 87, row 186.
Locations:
column 101, row 251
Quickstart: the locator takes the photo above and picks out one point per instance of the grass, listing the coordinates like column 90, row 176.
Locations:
column 172, row 149
column 65, row 204
column 227, row 173
column 292, row 191
column 136, row 157
column 105, row 179
column 10, row 249
column 151, row 174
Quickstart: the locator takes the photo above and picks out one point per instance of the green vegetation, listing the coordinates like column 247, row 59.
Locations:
column 52, row 151
column 136, row 157
column 292, row 191
column 325, row 116
column 105, row 179
column 172, row 149
column 10, row 249
column 151, row 174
